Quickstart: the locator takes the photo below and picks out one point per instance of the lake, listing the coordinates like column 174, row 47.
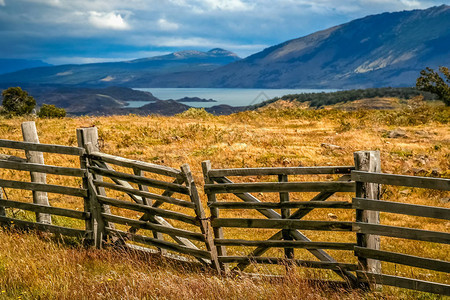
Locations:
column 233, row 97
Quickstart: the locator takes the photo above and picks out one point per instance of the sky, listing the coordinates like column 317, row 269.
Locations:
column 85, row 31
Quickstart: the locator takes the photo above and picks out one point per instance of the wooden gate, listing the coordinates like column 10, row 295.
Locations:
column 289, row 224
column 149, row 187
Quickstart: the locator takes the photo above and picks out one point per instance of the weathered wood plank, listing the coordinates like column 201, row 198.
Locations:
column 130, row 163
column 280, row 171
column 402, row 232
column 277, row 187
column 155, row 227
column 404, row 259
column 278, row 205
column 71, row 213
column 149, row 209
column 282, row 224
column 31, row 167
column 161, row 244
column 45, row 227
column 149, row 195
column 49, row 148
column 403, row 180
column 50, row 188
column 141, row 180
column 283, row 244
column 402, row 208
column 284, row 261
column 407, row 283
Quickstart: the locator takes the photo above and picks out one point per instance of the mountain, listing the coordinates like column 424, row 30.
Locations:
column 388, row 49
column 121, row 73
column 8, row 65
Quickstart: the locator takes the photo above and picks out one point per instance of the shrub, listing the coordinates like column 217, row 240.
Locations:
column 17, row 101
column 195, row 113
column 51, row 111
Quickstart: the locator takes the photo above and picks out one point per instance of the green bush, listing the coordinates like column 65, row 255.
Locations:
column 17, row 102
column 51, row 111
column 195, row 113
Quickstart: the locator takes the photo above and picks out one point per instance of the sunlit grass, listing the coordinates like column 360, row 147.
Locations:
column 32, row 266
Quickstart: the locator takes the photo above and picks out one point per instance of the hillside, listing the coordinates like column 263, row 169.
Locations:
column 388, row 49
column 122, row 73
column 34, row 266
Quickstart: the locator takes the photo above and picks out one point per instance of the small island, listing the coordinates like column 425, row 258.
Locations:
column 195, row 99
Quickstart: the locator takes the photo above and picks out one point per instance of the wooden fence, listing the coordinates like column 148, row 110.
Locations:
column 372, row 271
column 34, row 163
column 289, row 224
column 130, row 203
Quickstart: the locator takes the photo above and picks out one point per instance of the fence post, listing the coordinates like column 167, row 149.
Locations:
column 368, row 161
column 200, row 213
column 218, row 231
column 88, row 139
column 29, row 134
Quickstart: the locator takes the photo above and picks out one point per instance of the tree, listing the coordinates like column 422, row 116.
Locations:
column 431, row 81
column 51, row 111
column 17, row 101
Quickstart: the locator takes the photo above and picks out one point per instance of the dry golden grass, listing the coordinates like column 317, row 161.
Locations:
column 31, row 266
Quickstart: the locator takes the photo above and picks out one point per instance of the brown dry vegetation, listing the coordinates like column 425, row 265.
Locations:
column 32, row 266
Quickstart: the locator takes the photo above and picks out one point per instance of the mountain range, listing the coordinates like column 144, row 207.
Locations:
column 125, row 73
column 387, row 49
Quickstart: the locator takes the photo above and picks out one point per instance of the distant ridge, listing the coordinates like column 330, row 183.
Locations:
column 125, row 73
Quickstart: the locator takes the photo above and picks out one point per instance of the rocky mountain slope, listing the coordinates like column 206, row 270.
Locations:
column 388, row 49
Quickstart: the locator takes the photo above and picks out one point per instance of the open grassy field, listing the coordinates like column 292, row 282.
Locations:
column 33, row 266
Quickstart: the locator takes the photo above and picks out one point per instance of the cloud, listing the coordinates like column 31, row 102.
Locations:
column 205, row 6
column 167, row 26
column 231, row 5
column 412, row 3
column 2, row 3
column 109, row 20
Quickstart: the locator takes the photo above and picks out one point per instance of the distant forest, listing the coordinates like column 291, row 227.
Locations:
column 320, row 99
